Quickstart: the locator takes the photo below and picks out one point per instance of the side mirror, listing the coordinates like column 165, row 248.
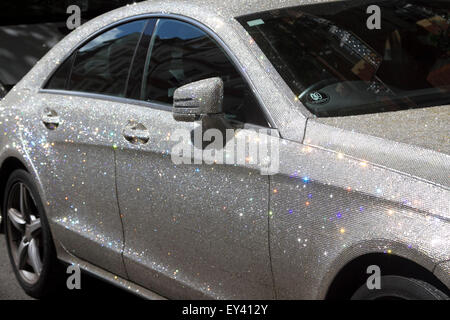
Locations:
column 195, row 100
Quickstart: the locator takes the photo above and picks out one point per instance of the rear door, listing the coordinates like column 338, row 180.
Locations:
column 79, row 113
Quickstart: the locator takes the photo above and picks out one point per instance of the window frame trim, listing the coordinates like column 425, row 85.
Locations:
column 136, row 48
column 159, row 106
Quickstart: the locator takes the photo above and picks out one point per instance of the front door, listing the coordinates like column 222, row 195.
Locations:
column 191, row 230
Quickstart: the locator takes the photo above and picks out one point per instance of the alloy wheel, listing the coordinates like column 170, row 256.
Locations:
column 24, row 233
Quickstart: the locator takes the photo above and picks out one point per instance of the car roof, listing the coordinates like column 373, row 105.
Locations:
column 235, row 8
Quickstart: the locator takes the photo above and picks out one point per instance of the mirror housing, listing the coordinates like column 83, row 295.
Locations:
column 195, row 100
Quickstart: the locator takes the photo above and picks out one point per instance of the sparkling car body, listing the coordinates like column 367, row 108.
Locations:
column 346, row 188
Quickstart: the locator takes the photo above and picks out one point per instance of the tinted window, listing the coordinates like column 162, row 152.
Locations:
column 180, row 54
column 336, row 66
column 102, row 65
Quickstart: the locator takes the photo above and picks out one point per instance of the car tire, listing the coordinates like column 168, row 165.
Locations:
column 31, row 251
column 400, row 288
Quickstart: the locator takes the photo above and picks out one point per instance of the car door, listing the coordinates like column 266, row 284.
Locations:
column 77, row 112
column 191, row 230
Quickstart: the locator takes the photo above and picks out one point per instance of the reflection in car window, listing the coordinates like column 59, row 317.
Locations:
column 61, row 76
column 336, row 66
column 102, row 65
column 137, row 69
column 181, row 54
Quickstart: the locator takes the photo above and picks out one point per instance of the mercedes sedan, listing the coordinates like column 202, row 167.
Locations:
column 120, row 152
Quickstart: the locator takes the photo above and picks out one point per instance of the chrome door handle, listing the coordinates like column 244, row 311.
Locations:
column 51, row 119
column 136, row 133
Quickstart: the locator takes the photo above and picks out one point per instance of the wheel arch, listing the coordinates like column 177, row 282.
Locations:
column 353, row 274
column 9, row 164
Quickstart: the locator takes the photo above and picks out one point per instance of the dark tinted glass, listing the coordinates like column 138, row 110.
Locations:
column 336, row 66
column 102, row 65
column 61, row 76
column 181, row 54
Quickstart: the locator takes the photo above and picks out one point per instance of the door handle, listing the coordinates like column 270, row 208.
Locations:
column 136, row 133
column 51, row 119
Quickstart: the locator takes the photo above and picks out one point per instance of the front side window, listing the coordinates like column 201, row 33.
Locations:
column 101, row 65
column 337, row 66
column 180, row 53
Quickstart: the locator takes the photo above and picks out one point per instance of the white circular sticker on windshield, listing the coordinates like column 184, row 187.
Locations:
column 318, row 97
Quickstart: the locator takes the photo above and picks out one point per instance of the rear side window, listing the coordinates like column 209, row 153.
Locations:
column 101, row 65
column 61, row 77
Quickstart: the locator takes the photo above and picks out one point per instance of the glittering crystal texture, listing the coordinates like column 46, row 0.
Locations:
column 345, row 187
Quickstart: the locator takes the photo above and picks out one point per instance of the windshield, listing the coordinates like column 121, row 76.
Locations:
column 337, row 66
